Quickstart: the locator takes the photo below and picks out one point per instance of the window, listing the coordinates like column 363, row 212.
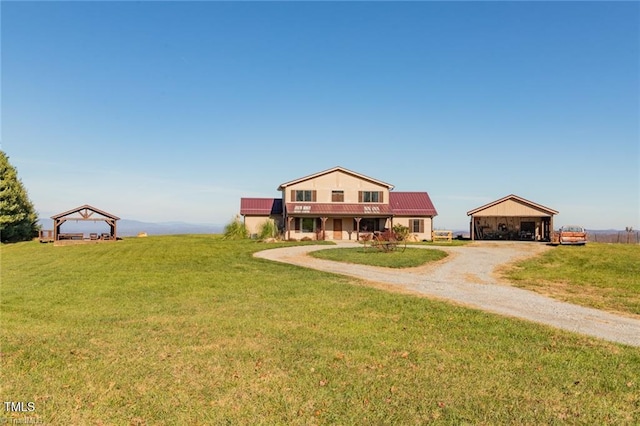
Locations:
column 370, row 197
column 307, row 224
column 337, row 196
column 303, row 195
column 416, row 226
column 304, row 224
column 368, row 224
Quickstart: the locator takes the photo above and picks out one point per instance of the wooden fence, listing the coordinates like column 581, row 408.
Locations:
column 620, row 237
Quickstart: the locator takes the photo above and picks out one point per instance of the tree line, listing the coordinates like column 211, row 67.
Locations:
column 18, row 217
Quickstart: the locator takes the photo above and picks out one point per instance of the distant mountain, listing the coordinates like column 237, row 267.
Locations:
column 133, row 227
column 127, row 228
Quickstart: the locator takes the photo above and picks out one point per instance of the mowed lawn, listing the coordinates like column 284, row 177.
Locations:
column 399, row 258
column 603, row 276
column 193, row 330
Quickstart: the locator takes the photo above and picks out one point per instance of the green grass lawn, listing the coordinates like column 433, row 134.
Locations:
column 604, row 276
column 372, row 256
column 194, row 330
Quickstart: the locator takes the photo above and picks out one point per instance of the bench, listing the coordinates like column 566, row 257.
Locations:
column 442, row 236
column 71, row 236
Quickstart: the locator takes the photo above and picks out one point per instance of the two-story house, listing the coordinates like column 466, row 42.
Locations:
column 339, row 204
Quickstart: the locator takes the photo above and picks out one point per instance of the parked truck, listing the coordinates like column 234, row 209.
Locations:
column 569, row 235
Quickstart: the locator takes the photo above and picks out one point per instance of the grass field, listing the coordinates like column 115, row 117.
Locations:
column 372, row 256
column 603, row 276
column 192, row 329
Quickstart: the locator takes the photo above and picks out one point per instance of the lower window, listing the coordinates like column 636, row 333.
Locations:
column 368, row 225
column 307, row 224
column 416, row 226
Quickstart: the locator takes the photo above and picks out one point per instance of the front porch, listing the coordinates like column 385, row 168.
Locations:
column 348, row 228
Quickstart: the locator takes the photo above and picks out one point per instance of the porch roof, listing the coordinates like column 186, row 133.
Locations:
column 348, row 209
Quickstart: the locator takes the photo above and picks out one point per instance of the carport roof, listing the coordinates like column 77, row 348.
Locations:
column 516, row 198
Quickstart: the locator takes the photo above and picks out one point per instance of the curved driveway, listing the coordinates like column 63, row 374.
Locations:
column 466, row 276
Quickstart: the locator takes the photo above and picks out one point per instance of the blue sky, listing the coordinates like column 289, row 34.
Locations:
column 172, row 111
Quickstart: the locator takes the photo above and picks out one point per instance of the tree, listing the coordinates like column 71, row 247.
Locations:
column 401, row 232
column 18, row 218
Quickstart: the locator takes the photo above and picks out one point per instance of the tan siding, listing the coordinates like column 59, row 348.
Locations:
column 337, row 180
column 253, row 223
column 510, row 208
column 426, row 228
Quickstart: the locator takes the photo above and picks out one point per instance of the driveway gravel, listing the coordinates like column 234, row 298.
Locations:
column 467, row 276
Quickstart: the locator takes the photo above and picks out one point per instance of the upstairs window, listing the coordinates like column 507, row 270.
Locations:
column 337, row 196
column 370, row 197
column 303, row 195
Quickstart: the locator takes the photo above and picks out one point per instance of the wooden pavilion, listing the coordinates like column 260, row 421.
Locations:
column 85, row 213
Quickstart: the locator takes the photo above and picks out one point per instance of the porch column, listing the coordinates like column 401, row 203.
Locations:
column 472, row 229
column 324, row 220
column 112, row 225
column 289, row 219
column 57, row 224
column 358, row 219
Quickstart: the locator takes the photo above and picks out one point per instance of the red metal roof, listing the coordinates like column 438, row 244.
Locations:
column 260, row 206
column 411, row 204
column 400, row 204
column 365, row 209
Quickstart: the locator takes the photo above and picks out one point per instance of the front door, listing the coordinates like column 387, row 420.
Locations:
column 337, row 229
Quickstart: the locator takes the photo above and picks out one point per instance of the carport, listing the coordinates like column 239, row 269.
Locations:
column 511, row 218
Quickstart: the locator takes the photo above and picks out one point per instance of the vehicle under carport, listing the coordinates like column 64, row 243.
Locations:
column 512, row 218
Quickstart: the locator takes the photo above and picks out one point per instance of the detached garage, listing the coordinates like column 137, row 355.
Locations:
column 512, row 218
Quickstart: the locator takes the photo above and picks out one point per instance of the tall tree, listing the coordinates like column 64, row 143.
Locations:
column 18, row 218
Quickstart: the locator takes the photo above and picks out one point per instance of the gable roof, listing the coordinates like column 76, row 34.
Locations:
column 335, row 169
column 411, row 204
column 260, row 206
column 517, row 199
column 85, row 207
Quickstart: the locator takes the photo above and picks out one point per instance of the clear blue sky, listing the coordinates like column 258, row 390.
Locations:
column 171, row 111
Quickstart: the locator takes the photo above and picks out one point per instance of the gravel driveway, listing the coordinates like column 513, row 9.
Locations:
column 467, row 276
